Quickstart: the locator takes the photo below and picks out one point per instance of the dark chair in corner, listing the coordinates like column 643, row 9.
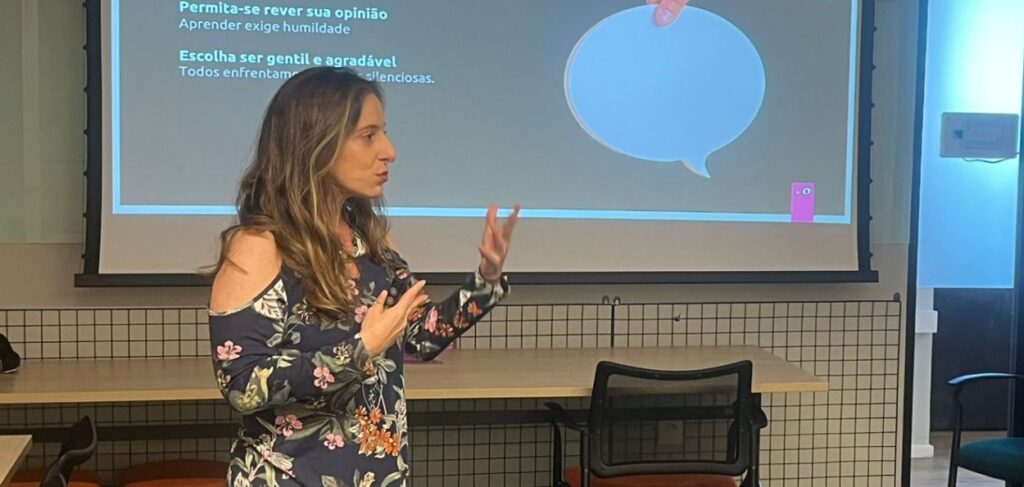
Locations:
column 78, row 447
column 664, row 428
column 1000, row 458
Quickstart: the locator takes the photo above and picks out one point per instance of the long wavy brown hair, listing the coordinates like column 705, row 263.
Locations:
column 289, row 189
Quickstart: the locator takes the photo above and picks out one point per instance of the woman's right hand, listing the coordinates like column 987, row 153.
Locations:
column 381, row 327
column 668, row 11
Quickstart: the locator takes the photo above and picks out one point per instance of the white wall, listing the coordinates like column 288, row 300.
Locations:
column 42, row 150
column 42, row 156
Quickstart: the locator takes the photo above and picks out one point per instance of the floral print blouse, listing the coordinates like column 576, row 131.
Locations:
column 317, row 410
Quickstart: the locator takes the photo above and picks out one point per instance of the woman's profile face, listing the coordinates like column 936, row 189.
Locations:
column 361, row 166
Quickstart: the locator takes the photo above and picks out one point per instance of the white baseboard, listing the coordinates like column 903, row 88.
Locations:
column 921, row 451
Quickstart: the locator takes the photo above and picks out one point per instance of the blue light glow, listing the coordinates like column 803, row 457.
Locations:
column 968, row 209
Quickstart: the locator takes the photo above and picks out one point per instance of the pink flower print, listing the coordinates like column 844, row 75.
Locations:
column 361, row 313
column 323, row 376
column 228, row 351
column 286, row 425
column 352, row 288
column 332, row 441
column 431, row 323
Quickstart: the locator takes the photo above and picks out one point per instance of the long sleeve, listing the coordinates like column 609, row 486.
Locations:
column 257, row 366
column 437, row 325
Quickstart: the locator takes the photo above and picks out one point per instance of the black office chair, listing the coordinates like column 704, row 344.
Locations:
column 78, row 446
column 1000, row 458
column 652, row 427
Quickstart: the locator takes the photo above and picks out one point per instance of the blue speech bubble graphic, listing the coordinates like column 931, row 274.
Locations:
column 665, row 94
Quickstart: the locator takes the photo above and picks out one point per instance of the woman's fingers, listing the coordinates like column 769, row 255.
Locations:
column 410, row 296
column 510, row 223
column 378, row 305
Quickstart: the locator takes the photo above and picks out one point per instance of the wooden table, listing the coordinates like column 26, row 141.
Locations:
column 13, row 450
column 540, row 373
column 457, row 374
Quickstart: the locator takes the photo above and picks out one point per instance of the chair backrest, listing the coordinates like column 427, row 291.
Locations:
column 78, row 446
column 645, row 421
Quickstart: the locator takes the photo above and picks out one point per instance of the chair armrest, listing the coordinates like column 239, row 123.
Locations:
column 958, row 384
column 967, row 379
column 760, row 419
column 561, row 416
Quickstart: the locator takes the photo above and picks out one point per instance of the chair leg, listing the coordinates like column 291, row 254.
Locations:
column 753, row 478
column 954, row 447
column 584, row 462
column 556, row 457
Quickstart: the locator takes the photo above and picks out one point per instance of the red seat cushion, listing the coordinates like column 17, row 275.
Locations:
column 185, row 482
column 572, row 476
column 32, row 477
column 185, row 473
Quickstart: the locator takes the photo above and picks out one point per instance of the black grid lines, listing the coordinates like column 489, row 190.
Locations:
column 481, row 455
column 107, row 333
column 129, row 434
column 542, row 326
column 846, row 436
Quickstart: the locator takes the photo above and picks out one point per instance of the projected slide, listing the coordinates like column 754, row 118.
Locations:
column 577, row 110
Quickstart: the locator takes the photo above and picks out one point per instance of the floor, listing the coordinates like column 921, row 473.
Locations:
column 934, row 472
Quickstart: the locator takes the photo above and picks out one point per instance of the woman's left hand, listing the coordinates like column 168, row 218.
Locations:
column 495, row 244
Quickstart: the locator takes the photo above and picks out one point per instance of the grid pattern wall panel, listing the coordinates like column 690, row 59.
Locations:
column 844, row 437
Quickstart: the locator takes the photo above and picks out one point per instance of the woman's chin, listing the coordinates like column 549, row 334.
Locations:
column 369, row 193
column 374, row 193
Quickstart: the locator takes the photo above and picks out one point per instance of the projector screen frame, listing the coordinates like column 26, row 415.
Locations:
column 91, row 277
